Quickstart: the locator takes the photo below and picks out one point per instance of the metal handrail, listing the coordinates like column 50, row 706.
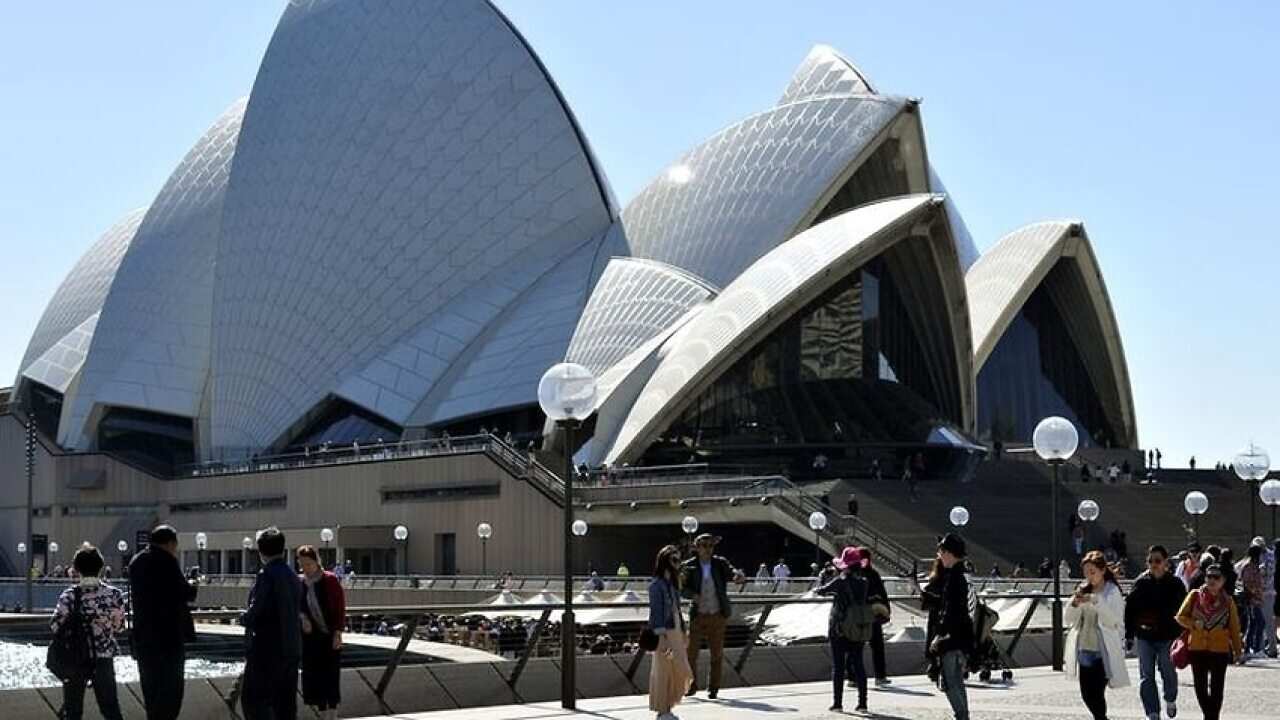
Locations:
column 336, row 455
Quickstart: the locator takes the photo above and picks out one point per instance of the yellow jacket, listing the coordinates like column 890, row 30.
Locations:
column 1220, row 634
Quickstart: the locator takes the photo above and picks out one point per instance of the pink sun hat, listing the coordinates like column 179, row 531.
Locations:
column 849, row 558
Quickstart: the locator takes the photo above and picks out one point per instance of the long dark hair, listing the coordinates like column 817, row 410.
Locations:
column 1098, row 560
column 663, row 567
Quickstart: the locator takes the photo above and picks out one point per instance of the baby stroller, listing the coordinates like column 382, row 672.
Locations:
column 987, row 657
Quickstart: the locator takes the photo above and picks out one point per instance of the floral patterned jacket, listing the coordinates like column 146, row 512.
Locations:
column 102, row 605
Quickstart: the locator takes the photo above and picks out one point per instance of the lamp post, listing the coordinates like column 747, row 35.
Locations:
column 401, row 534
column 29, row 560
column 1270, row 494
column 1252, row 465
column 1196, row 504
column 817, row 522
column 959, row 516
column 246, row 544
column 326, row 537
column 202, row 542
column 53, row 549
column 1055, row 440
column 484, row 531
column 1088, row 511
column 123, row 548
column 567, row 394
column 690, row 526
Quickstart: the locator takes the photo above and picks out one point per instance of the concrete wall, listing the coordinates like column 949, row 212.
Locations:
column 421, row 688
column 526, row 524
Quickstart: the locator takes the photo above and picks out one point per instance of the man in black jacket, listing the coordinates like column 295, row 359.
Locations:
column 706, row 581
column 273, row 636
column 1149, row 617
column 951, row 640
column 159, row 594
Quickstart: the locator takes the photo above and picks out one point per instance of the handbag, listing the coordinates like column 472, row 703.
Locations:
column 1180, row 652
column 71, row 653
column 648, row 639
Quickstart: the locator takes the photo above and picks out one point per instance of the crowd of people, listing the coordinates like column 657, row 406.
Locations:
column 294, row 623
column 1201, row 609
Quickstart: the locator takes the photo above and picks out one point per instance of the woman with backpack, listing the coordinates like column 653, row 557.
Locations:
column 1095, row 647
column 85, row 623
column 849, row 627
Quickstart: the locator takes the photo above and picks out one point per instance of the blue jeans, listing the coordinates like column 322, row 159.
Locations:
column 846, row 659
column 952, row 682
column 1256, row 636
column 1153, row 656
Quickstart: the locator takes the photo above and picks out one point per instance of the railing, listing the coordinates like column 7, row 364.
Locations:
column 792, row 500
column 340, row 454
column 412, row 618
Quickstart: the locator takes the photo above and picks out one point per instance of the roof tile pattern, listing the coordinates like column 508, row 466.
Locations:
column 633, row 301
column 824, row 71
column 752, row 186
column 449, row 160
column 58, row 366
column 151, row 346
column 84, row 289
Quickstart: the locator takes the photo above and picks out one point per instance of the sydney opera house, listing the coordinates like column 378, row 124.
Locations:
column 377, row 255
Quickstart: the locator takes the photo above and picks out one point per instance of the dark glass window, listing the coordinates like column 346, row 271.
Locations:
column 230, row 504
column 883, row 175
column 153, row 440
column 44, row 404
column 339, row 422
column 440, row 492
column 1037, row 370
column 859, row 365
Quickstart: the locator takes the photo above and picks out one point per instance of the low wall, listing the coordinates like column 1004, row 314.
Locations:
column 447, row 686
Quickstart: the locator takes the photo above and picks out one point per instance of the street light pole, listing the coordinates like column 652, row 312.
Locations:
column 484, row 531
column 567, row 396
column 1055, row 440
column 30, row 556
column 1252, row 465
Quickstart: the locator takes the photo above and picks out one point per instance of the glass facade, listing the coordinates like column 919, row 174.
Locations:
column 339, row 422
column 44, row 405
column 1037, row 370
column 859, row 373
column 153, row 440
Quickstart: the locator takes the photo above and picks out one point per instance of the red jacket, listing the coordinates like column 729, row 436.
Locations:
column 333, row 602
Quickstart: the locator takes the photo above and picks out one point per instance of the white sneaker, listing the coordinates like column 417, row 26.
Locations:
column 1171, row 709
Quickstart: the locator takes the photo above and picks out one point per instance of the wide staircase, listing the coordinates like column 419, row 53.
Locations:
column 1009, row 506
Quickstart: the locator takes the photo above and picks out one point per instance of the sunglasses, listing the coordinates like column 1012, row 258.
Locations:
column 1155, row 561
column 1213, row 577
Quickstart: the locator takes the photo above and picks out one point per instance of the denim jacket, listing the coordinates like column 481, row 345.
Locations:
column 662, row 606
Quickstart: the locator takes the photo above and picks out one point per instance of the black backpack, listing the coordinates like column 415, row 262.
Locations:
column 71, row 653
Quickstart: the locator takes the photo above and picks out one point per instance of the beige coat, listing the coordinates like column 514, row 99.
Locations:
column 1110, row 613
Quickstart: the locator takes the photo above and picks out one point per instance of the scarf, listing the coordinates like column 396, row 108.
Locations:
column 1212, row 610
column 313, row 601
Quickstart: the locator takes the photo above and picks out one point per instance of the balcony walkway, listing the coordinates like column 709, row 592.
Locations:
column 1253, row 693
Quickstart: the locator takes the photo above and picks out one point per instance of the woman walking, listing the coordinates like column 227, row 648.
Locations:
column 1213, row 635
column 324, row 617
column 669, row 675
column 100, row 608
column 849, row 627
column 1095, row 643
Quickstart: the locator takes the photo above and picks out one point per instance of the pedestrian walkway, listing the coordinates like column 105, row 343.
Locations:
column 1253, row 693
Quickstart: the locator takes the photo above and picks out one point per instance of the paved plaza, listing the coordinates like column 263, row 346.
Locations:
column 1253, row 693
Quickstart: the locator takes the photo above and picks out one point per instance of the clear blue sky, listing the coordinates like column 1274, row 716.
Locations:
column 1155, row 122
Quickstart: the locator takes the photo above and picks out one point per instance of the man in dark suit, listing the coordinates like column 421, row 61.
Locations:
column 159, row 594
column 706, row 582
column 273, row 636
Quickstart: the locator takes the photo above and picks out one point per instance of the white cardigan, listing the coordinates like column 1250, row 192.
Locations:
column 1110, row 612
